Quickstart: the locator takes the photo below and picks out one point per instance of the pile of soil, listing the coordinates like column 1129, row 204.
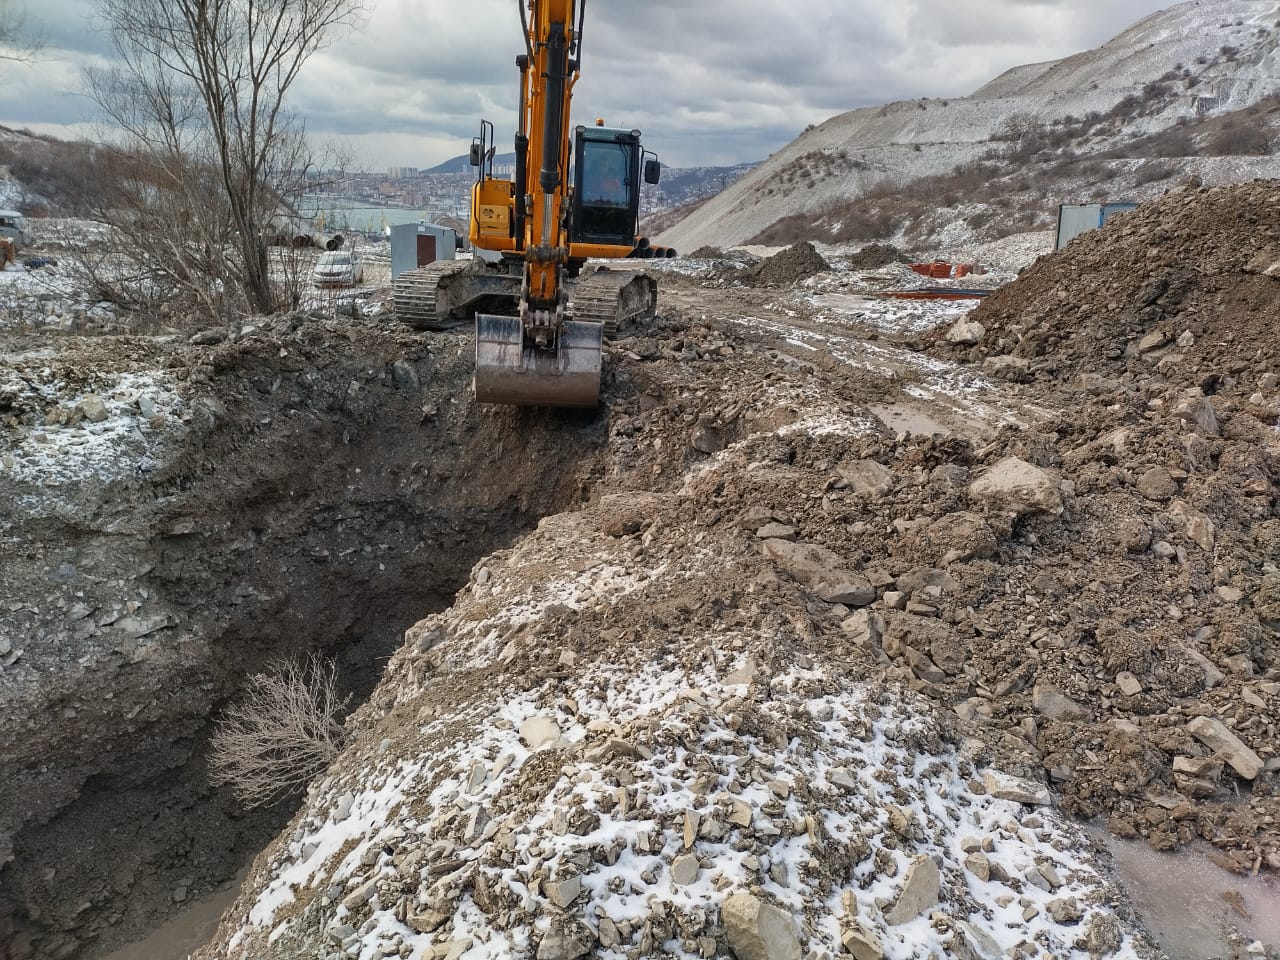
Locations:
column 652, row 704
column 796, row 263
column 1085, row 603
column 876, row 255
column 668, row 708
column 1183, row 290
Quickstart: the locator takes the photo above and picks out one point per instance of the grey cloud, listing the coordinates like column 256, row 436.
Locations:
column 709, row 81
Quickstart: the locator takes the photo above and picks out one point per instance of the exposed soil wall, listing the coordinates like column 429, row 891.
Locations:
column 303, row 486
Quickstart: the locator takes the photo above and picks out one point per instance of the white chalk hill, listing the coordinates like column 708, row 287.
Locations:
column 1224, row 54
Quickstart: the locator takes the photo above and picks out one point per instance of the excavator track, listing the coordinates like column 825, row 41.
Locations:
column 416, row 296
column 614, row 298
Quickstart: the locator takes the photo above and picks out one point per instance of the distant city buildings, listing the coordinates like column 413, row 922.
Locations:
column 401, row 173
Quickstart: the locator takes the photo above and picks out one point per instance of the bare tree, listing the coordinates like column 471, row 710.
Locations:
column 17, row 41
column 285, row 730
column 198, row 92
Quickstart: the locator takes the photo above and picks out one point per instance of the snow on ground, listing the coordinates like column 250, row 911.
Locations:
column 53, row 285
column 109, row 431
column 612, row 808
column 624, row 853
column 1011, row 254
column 70, row 233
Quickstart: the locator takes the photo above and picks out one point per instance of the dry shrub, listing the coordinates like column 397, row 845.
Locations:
column 1153, row 172
column 789, row 230
column 1241, row 141
column 286, row 728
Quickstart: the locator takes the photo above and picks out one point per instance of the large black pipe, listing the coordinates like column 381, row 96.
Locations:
column 553, row 119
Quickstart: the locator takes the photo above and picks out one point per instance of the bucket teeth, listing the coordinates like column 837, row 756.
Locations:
column 508, row 371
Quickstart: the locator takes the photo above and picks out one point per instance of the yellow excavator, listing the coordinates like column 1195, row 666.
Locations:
column 541, row 311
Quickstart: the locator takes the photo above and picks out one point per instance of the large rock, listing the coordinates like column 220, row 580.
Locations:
column 1157, row 483
column 953, row 538
column 972, row 942
column 1052, row 703
column 822, row 571
column 1006, row 788
column 539, row 731
column 563, row 892
column 92, row 408
column 1017, row 487
column 567, row 939
column 1196, row 411
column 860, row 941
column 920, row 891
column 966, row 333
column 866, row 478
column 757, row 930
column 1215, row 735
column 864, row 627
column 1266, row 602
column 1012, row 369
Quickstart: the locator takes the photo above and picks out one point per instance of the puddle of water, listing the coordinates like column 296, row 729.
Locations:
column 1187, row 902
column 184, row 934
column 901, row 418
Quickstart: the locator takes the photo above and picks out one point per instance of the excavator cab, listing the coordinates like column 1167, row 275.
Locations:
column 608, row 167
column 606, row 194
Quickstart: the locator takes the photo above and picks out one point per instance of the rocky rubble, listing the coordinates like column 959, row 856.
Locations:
column 794, row 683
column 908, row 655
column 1176, row 294
column 787, row 267
column 631, row 744
column 1157, row 332
column 700, row 717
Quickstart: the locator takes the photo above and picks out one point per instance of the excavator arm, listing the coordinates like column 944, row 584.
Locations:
column 547, row 89
column 541, row 356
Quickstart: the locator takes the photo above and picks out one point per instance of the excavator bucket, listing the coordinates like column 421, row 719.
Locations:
column 509, row 372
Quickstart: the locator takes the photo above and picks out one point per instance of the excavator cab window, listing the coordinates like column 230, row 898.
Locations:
column 606, row 186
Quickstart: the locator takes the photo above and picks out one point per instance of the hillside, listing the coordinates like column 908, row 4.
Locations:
column 1193, row 63
column 462, row 163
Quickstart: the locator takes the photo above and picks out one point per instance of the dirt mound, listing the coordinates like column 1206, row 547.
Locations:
column 707, row 253
column 796, row 263
column 657, row 714
column 876, row 255
column 1183, row 290
column 637, row 693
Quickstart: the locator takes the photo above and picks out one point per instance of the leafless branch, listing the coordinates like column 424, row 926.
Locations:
column 199, row 93
column 286, row 728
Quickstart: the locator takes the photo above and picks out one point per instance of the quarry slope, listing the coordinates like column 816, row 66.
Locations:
column 1191, row 60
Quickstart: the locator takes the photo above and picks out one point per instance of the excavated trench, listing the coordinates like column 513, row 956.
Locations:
column 334, row 484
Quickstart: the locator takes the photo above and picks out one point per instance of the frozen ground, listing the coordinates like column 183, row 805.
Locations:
column 68, row 256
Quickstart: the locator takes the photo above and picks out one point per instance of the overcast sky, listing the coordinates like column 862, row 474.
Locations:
column 708, row 81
